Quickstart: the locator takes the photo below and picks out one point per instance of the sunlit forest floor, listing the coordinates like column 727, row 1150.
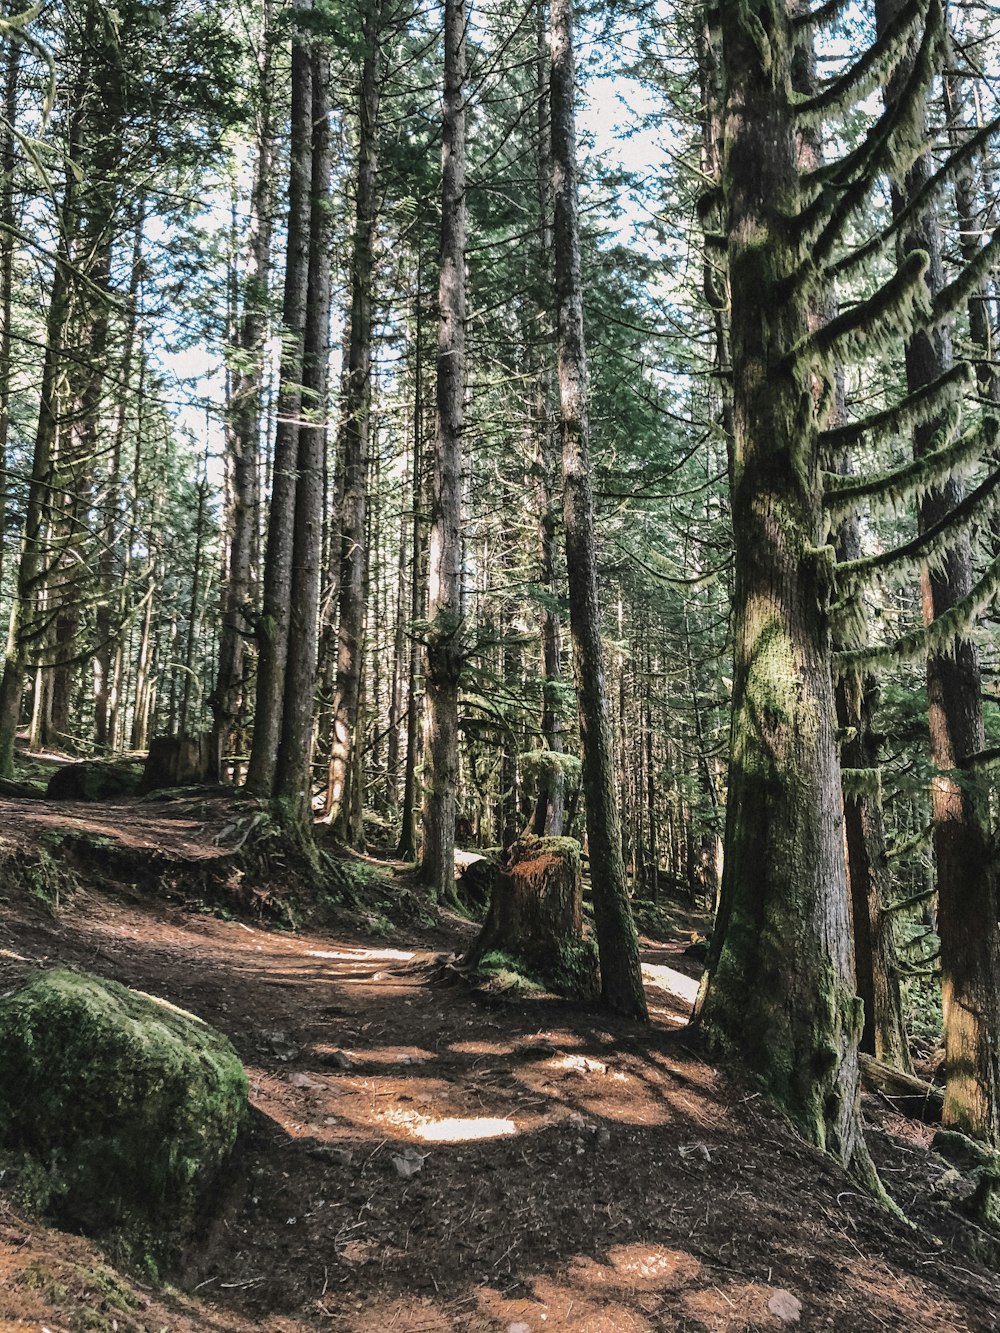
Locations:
column 424, row 1158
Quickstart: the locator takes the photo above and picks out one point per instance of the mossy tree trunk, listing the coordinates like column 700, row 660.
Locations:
column 293, row 784
column 780, row 992
column 243, row 427
column 964, row 859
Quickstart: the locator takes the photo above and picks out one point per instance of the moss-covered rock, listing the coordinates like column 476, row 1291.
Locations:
column 94, row 780
column 117, row 1110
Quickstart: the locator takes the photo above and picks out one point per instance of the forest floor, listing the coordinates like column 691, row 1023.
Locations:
column 422, row 1158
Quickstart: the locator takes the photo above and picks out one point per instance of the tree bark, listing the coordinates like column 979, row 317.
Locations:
column 243, row 427
column 966, row 874
column 618, row 945
column 293, row 785
column 355, row 414
column 273, row 628
column 445, row 652
column 780, row 983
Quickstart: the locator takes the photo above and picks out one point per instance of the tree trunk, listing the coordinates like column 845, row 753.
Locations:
column 8, row 224
column 535, row 917
column 445, row 653
column 243, row 427
column 294, row 771
column 966, row 875
column 355, row 449
column 621, row 976
column 273, row 628
column 780, row 984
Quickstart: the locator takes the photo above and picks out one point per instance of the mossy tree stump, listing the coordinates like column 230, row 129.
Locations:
column 535, row 919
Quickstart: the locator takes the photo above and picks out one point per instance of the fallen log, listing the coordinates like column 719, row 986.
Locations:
column 909, row 1095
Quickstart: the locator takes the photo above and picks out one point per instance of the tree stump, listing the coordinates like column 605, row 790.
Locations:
column 181, row 761
column 535, row 921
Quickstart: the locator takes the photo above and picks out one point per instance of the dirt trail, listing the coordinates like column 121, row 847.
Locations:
column 421, row 1159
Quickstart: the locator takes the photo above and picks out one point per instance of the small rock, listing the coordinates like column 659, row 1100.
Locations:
column 338, row 1156
column 300, row 1080
column 519, row 1328
column 950, row 1183
column 785, row 1306
column 698, row 1150
column 407, row 1163
column 281, row 1046
column 337, row 1060
column 603, row 1138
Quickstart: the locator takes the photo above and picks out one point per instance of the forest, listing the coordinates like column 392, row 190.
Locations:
column 500, row 497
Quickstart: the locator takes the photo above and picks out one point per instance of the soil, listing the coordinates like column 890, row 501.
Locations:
column 421, row 1157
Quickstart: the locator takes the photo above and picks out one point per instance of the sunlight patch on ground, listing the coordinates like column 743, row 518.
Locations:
column 480, row 1048
column 450, row 1129
column 362, row 955
column 637, row 1267
column 579, row 1064
column 456, row 1130
column 668, row 1017
column 675, row 984
column 407, row 1314
column 561, row 1307
column 386, row 1055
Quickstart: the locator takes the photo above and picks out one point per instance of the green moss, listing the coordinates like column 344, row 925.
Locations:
column 577, row 970
column 119, row 1110
column 508, row 974
column 96, row 1295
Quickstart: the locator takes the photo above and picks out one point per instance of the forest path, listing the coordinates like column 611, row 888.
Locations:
column 421, row 1159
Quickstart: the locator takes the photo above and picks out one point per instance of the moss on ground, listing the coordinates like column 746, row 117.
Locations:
column 117, row 1111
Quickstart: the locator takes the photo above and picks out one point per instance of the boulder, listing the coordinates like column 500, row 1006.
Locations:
column 94, row 780
column 117, row 1111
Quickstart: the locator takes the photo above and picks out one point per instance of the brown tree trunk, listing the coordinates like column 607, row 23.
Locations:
column 621, row 976
column 445, row 653
column 293, row 782
column 243, row 427
column 536, row 917
column 966, row 875
column 273, row 628
column 785, row 898
column 406, row 849
column 355, row 431
column 8, row 223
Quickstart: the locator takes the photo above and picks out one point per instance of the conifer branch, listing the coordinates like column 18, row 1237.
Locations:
column 937, row 637
column 890, row 310
column 813, row 18
column 892, row 143
column 952, row 164
column 900, row 419
column 891, row 489
column 971, row 276
column 869, row 71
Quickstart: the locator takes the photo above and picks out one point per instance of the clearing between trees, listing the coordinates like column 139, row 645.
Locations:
column 424, row 1157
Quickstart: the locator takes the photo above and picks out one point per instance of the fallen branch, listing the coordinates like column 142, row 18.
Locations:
column 909, row 1095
